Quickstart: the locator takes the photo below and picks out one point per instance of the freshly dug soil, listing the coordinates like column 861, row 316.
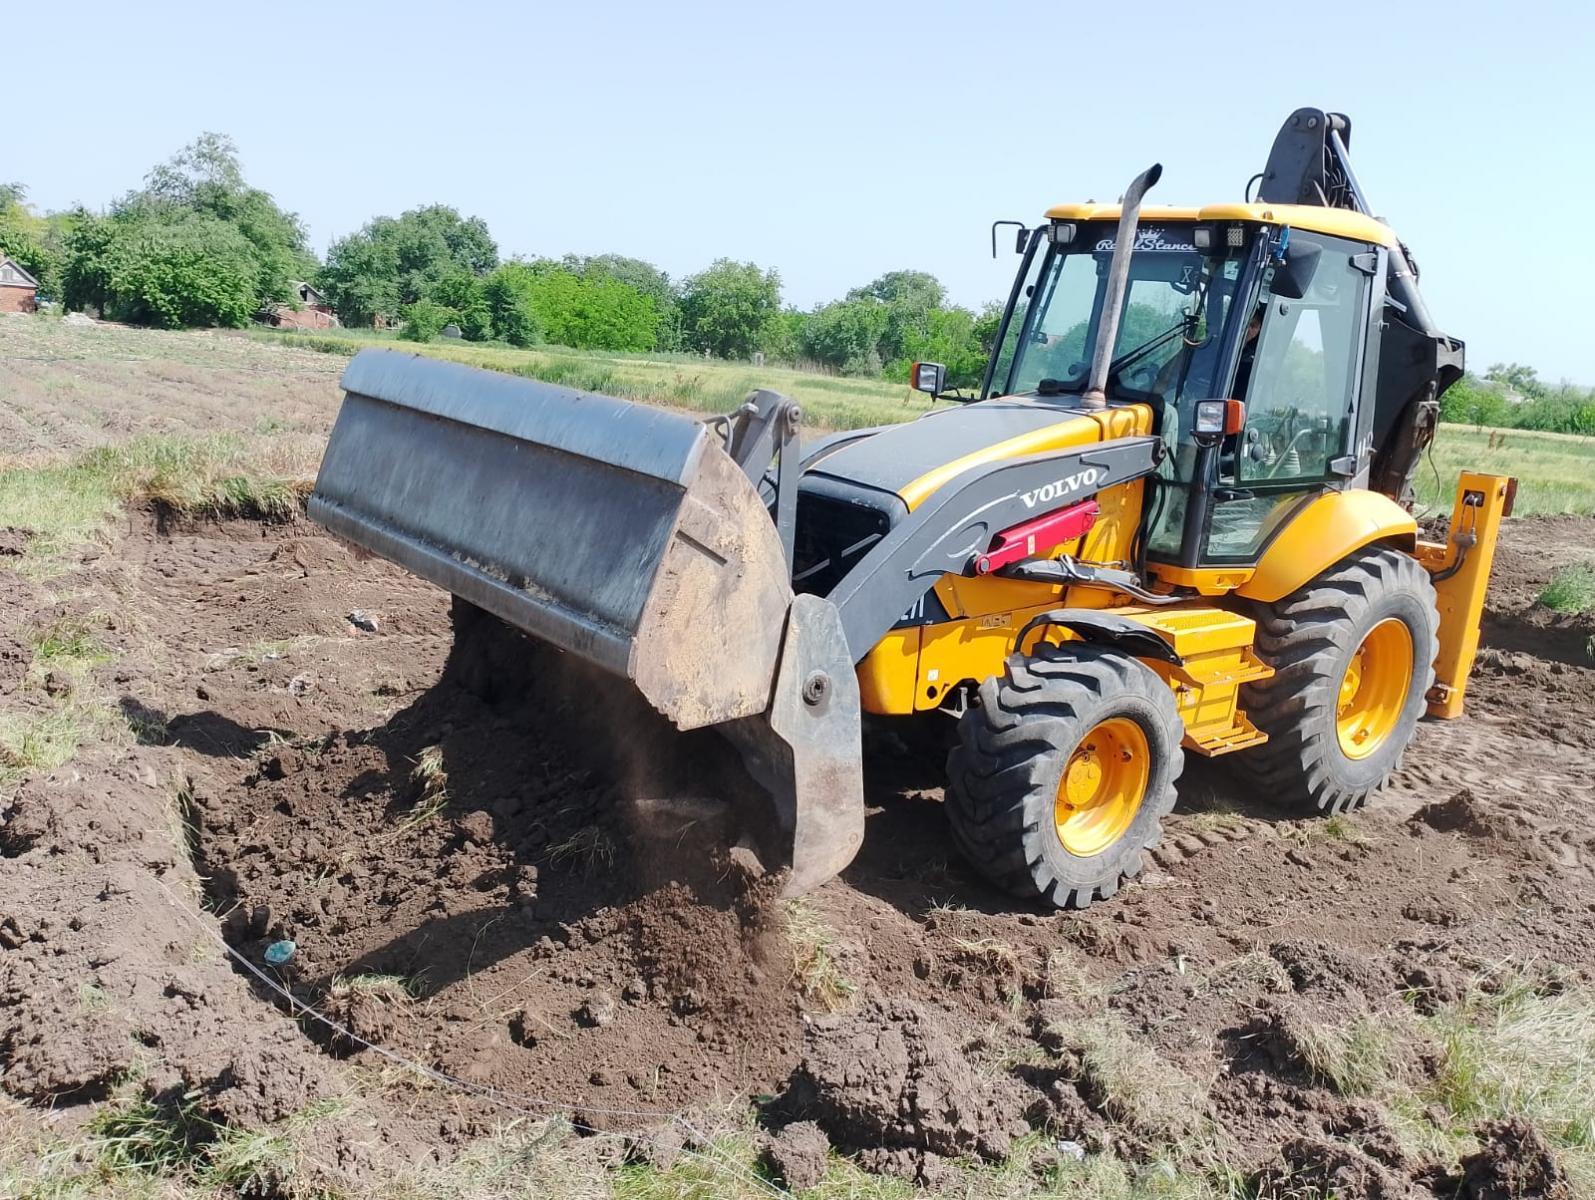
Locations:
column 1514, row 1162
column 890, row 1078
column 485, row 881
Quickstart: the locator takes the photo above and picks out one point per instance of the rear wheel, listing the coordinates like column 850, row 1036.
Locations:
column 1353, row 656
column 1064, row 772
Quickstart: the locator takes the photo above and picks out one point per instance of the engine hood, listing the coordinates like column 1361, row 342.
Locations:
column 901, row 465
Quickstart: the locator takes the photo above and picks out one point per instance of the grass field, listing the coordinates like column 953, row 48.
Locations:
column 674, row 380
column 1555, row 471
column 97, row 412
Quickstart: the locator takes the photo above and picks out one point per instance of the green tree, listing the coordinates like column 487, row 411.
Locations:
column 36, row 243
column 424, row 320
column 633, row 272
column 508, row 295
column 987, row 325
column 1522, row 379
column 88, row 264
column 783, row 336
column 727, row 308
column 909, row 298
column 917, row 289
column 846, row 335
column 394, row 261
column 947, row 336
column 592, row 312
column 175, row 273
column 466, row 297
column 206, row 178
column 1472, row 401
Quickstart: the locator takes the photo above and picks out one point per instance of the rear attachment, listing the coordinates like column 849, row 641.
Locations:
column 629, row 537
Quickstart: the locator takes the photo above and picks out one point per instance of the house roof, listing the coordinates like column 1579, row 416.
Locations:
column 12, row 275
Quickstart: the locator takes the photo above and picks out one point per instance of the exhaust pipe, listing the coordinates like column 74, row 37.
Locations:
column 1096, row 394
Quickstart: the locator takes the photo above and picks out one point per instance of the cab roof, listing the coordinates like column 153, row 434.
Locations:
column 1337, row 222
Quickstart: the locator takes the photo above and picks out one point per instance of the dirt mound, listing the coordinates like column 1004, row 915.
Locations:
column 495, row 913
column 1514, row 1162
column 1333, row 970
column 1313, row 1166
column 890, row 1080
column 797, row 1155
column 15, row 655
column 97, row 883
column 14, row 541
column 1466, row 813
column 19, row 597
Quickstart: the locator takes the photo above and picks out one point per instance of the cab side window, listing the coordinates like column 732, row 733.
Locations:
column 1298, row 400
column 1299, row 378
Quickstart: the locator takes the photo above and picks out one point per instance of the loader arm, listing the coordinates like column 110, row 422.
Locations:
column 949, row 531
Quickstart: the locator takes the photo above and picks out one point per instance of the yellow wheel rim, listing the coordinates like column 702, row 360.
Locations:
column 1373, row 691
column 1102, row 786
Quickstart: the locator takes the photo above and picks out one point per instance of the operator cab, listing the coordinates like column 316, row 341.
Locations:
column 1246, row 302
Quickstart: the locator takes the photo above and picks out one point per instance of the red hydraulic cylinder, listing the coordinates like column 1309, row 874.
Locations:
column 1030, row 538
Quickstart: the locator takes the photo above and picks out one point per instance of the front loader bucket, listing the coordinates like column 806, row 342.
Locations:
column 625, row 535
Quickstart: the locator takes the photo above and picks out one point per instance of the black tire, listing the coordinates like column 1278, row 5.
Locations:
column 1013, row 746
column 1309, row 638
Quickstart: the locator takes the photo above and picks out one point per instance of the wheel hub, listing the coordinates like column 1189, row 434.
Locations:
column 1373, row 691
column 1102, row 786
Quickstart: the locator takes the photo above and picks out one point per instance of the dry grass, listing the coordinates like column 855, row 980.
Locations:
column 69, row 388
column 1354, row 1058
column 671, row 380
column 1247, row 974
column 217, row 476
column 430, row 785
column 395, row 988
column 1129, row 1081
column 134, row 1148
column 34, row 742
column 69, row 643
column 815, row 971
column 590, row 850
column 1516, row 1050
column 989, row 954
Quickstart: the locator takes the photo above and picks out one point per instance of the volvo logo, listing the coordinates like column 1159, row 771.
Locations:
column 1059, row 488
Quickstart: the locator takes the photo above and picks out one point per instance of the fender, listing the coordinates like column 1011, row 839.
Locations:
column 1322, row 534
column 1105, row 629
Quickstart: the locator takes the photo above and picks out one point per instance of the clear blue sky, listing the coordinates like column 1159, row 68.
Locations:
column 836, row 141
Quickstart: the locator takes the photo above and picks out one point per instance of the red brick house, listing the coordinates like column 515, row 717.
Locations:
column 314, row 313
column 18, row 289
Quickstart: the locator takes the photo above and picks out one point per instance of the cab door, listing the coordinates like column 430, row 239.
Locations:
column 1301, row 365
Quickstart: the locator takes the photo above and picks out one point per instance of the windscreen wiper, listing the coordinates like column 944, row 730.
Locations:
column 1147, row 347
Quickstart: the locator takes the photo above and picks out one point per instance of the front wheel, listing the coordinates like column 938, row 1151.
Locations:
column 1353, row 656
column 1064, row 772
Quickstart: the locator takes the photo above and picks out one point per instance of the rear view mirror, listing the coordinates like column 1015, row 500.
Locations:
column 1294, row 276
column 927, row 377
column 1021, row 236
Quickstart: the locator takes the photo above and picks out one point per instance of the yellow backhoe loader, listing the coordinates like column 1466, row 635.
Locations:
column 1176, row 518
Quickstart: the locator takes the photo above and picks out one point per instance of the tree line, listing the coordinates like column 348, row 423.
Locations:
column 198, row 245
column 1513, row 396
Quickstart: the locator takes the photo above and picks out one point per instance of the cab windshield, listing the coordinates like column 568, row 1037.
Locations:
column 1168, row 341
